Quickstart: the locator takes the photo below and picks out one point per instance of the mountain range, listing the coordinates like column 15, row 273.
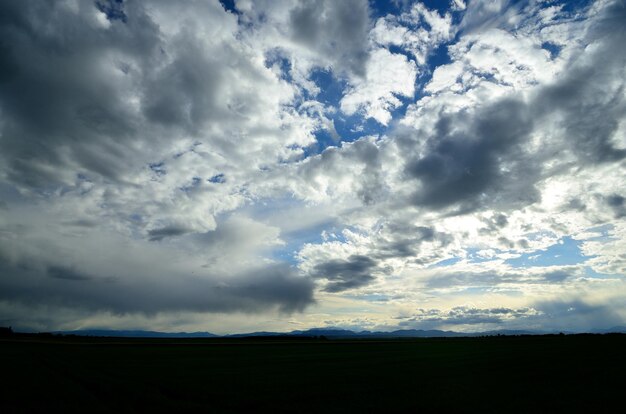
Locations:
column 331, row 333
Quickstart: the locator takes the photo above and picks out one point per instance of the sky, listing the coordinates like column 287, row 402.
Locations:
column 243, row 165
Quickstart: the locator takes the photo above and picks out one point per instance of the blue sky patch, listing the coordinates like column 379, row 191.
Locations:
column 276, row 58
column 474, row 257
column 158, row 168
column 229, row 5
column 331, row 87
column 574, row 6
column 590, row 272
column 552, row 48
column 565, row 252
column 382, row 8
column 217, row 179
column 446, row 262
column 113, row 9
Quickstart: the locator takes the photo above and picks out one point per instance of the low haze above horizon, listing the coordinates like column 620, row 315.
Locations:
column 267, row 165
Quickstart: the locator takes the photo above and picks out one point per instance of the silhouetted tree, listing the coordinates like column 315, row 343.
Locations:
column 5, row 331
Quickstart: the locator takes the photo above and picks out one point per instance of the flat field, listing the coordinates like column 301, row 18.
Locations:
column 572, row 373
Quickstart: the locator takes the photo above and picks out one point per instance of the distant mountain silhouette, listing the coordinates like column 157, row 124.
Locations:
column 136, row 333
column 335, row 333
column 615, row 329
column 259, row 333
column 403, row 333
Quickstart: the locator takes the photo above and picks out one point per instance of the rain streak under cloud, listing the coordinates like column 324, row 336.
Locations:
column 276, row 165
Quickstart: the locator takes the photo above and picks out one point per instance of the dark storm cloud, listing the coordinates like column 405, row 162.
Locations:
column 77, row 98
column 591, row 120
column 182, row 93
column 274, row 286
column 590, row 97
column 164, row 232
column 346, row 274
column 371, row 188
column 494, row 224
column 60, row 272
column 617, row 204
column 482, row 159
column 336, row 29
column 615, row 200
column 82, row 223
column 404, row 240
column 60, row 108
column 557, row 276
column 401, row 247
column 464, row 164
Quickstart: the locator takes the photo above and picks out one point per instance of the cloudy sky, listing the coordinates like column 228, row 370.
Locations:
column 280, row 165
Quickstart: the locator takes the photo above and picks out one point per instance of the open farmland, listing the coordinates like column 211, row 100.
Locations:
column 488, row 374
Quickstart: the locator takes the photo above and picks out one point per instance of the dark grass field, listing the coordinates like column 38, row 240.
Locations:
column 573, row 373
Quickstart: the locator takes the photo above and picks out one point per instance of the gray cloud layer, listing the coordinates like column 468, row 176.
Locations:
column 334, row 28
column 464, row 160
column 271, row 287
column 346, row 274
